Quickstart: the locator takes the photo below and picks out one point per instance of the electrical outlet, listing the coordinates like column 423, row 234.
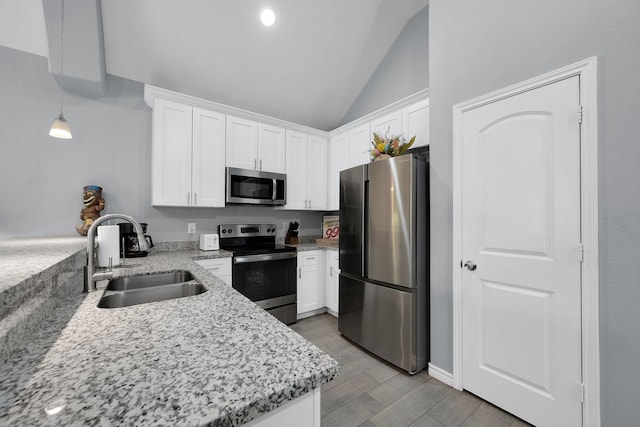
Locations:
column 191, row 228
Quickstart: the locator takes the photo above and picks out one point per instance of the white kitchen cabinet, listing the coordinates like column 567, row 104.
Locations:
column 271, row 148
column 219, row 267
column 337, row 160
column 310, row 282
column 388, row 125
column 331, row 282
column 256, row 146
column 360, row 145
column 415, row 121
column 306, row 168
column 187, row 169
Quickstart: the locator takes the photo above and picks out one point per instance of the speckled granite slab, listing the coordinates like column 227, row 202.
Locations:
column 209, row 359
column 28, row 266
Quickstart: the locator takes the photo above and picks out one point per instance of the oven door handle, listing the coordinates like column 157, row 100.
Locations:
column 264, row 257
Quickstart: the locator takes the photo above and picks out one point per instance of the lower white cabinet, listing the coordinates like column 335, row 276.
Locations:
column 310, row 281
column 219, row 267
column 303, row 411
column 331, row 282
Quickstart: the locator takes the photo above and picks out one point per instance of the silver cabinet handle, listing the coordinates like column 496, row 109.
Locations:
column 188, row 198
column 310, row 257
column 260, row 164
column 330, row 271
column 299, row 273
column 195, row 199
column 255, row 164
column 470, row 265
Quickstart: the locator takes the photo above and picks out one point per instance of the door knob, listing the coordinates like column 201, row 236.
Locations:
column 470, row 265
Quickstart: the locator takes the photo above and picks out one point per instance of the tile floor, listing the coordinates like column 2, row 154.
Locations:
column 369, row 392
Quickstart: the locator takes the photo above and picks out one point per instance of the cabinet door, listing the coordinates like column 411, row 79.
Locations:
column 415, row 121
column 296, row 162
column 271, row 148
column 310, row 281
column 242, row 143
column 331, row 282
column 171, row 154
column 360, row 145
column 337, row 160
column 388, row 125
column 316, row 172
column 208, row 162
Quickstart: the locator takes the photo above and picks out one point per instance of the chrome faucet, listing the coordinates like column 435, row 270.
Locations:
column 90, row 275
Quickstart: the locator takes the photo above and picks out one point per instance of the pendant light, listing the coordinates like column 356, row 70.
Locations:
column 60, row 127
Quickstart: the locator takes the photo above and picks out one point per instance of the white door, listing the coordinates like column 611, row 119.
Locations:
column 388, row 125
column 208, row 162
column 360, row 145
column 242, row 143
column 415, row 122
column 271, row 148
column 296, row 163
column 316, row 173
column 171, row 154
column 521, row 247
column 337, row 160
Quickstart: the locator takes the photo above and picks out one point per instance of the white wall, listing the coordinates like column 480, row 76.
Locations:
column 479, row 47
column 41, row 178
column 403, row 71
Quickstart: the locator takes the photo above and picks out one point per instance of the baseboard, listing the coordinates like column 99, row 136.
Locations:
column 441, row 375
column 311, row 313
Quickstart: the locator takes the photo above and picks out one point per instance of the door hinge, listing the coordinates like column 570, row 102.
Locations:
column 581, row 393
column 580, row 252
column 580, row 114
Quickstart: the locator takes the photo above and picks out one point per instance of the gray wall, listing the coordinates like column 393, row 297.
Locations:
column 478, row 47
column 41, row 177
column 403, row 71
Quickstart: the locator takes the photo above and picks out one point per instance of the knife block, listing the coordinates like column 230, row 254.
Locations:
column 290, row 238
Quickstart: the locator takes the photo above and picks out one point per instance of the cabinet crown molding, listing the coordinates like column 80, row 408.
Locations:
column 153, row 92
column 414, row 97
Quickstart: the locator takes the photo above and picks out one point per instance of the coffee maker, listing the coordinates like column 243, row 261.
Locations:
column 129, row 246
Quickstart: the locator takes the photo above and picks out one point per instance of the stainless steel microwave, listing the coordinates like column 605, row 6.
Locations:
column 252, row 187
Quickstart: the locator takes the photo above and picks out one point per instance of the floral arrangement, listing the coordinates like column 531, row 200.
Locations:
column 389, row 146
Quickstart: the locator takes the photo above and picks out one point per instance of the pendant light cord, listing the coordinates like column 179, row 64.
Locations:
column 61, row 56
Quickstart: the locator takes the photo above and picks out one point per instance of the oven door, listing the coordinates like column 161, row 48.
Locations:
column 267, row 279
column 245, row 186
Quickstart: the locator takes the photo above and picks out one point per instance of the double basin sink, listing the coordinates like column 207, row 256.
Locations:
column 127, row 291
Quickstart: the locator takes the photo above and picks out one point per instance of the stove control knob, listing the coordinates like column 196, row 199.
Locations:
column 223, row 231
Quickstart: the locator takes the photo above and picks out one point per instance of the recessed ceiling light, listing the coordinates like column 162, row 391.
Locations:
column 268, row 17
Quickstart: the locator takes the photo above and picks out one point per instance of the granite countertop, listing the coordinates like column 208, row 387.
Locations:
column 211, row 359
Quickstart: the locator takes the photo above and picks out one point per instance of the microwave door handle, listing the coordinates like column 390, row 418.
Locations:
column 275, row 186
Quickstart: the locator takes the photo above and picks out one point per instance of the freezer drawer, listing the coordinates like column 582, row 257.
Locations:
column 388, row 322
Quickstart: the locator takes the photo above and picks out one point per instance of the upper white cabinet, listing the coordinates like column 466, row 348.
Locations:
column 360, row 145
column 387, row 125
column 415, row 121
column 186, row 160
column 271, row 148
column 338, row 160
column 253, row 145
column 306, row 169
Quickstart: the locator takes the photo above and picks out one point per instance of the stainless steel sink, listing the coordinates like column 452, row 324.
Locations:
column 127, row 291
column 148, row 280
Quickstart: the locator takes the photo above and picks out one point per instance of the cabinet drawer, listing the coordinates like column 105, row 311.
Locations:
column 309, row 258
column 219, row 266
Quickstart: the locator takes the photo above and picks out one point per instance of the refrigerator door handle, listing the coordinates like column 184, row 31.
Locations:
column 365, row 228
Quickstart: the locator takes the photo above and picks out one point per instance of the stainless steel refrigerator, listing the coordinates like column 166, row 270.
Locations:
column 384, row 259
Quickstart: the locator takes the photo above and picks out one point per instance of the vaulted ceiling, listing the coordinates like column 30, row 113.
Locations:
column 307, row 68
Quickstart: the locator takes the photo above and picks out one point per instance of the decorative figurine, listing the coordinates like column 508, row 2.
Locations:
column 94, row 203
